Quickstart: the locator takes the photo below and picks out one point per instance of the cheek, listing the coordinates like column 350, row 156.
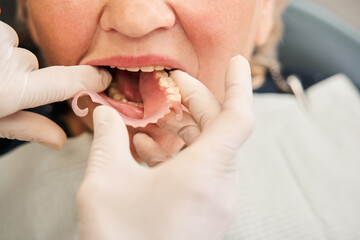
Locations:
column 64, row 33
column 218, row 31
column 223, row 27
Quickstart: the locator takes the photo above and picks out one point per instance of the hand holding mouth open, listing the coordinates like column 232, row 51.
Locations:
column 23, row 86
column 189, row 196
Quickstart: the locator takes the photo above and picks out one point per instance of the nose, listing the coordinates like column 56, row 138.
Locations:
column 136, row 18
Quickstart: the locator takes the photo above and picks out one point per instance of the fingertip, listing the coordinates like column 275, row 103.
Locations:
column 88, row 77
column 239, row 59
column 8, row 35
column 53, row 137
column 108, row 119
column 185, row 81
column 178, row 73
column 111, row 139
column 240, row 62
column 105, row 113
column 37, row 128
column 96, row 74
column 57, row 142
column 138, row 136
column 180, row 77
column 105, row 76
column 148, row 150
column 239, row 95
column 239, row 73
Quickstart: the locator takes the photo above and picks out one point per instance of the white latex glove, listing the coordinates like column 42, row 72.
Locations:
column 22, row 86
column 190, row 196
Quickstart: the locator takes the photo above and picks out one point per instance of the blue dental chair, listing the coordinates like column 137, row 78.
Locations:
column 316, row 40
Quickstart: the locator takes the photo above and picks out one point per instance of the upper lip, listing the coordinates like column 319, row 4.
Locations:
column 136, row 61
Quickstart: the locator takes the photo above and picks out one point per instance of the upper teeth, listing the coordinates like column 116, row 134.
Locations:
column 143, row 69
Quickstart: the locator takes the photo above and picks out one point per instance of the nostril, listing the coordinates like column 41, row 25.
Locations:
column 136, row 19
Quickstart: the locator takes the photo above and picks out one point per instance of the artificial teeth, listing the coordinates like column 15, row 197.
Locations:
column 166, row 82
column 173, row 90
column 162, row 74
column 174, row 97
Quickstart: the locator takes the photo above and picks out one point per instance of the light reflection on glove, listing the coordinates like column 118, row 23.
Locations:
column 190, row 196
column 23, row 86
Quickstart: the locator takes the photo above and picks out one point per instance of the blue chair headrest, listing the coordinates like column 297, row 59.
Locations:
column 318, row 41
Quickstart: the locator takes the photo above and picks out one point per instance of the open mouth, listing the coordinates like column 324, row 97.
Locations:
column 141, row 95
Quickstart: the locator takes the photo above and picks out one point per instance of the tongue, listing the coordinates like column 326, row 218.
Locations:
column 128, row 84
column 155, row 99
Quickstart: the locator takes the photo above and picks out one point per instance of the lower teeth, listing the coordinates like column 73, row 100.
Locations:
column 164, row 81
column 114, row 93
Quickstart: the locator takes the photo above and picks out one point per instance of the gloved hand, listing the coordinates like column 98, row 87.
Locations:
column 22, row 86
column 190, row 196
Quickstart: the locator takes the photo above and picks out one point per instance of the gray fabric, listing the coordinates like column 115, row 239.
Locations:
column 37, row 191
column 298, row 175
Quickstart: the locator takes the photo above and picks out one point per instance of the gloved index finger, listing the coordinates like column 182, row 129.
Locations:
column 59, row 83
column 235, row 122
column 200, row 101
column 238, row 87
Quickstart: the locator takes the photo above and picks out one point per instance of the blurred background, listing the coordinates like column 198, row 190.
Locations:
column 322, row 36
column 347, row 9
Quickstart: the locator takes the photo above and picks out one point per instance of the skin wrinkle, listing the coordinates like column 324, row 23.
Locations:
column 151, row 158
column 187, row 134
column 188, row 130
column 197, row 55
column 205, row 35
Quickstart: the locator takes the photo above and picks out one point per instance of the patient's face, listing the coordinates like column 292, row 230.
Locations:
column 198, row 36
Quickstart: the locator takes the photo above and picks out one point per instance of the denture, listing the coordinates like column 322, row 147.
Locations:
column 141, row 95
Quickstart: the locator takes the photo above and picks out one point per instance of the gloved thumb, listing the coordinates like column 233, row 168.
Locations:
column 224, row 128
column 110, row 149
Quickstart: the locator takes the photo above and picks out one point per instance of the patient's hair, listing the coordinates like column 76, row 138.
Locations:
column 264, row 57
